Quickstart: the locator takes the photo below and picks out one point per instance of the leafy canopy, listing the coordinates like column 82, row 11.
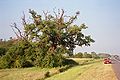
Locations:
column 56, row 31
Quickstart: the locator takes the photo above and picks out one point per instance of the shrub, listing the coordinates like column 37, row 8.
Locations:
column 70, row 62
column 47, row 74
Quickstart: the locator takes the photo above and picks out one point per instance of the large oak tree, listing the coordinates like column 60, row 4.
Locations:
column 56, row 31
column 45, row 39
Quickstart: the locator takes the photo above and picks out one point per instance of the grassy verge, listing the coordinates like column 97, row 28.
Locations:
column 88, row 69
column 30, row 73
column 93, row 70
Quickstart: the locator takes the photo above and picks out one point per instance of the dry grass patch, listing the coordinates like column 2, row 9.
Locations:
column 23, row 73
column 98, row 72
column 33, row 73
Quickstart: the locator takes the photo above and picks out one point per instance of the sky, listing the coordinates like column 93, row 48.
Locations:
column 101, row 16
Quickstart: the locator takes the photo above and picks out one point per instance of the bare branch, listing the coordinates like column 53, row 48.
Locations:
column 15, row 26
column 18, row 29
column 23, row 19
column 58, row 12
column 62, row 13
column 55, row 14
column 70, row 21
column 14, row 32
column 61, row 17
column 20, row 36
column 45, row 14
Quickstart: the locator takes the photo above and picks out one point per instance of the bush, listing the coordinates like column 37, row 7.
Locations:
column 16, row 56
column 70, row 62
column 47, row 74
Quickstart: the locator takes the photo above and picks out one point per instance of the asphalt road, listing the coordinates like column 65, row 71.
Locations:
column 116, row 67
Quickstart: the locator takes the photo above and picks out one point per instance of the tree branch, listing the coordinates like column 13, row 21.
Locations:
column 45, row 14
column 23, row 19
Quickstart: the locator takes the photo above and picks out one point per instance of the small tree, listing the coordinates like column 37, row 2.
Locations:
column 94, row 55
column 87, row 55
column 79, row 55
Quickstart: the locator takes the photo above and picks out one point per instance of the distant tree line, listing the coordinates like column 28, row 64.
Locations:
column 90, row 55
column 86, row 55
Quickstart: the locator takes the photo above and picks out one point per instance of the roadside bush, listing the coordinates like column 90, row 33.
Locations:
column 47, row 74
column 16, row 56
column 23, row 54
column 70, row 62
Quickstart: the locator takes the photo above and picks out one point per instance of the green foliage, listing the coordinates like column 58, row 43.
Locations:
column 45, row 40
column 49, row 59
column 55, row 32
column 16, row 56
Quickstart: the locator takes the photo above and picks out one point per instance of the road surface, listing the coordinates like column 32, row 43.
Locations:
column 116, row 67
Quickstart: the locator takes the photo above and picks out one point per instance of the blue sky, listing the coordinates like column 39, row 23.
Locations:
column 101, row 16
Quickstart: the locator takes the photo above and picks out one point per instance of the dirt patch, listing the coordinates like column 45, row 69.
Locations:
column 34, row 76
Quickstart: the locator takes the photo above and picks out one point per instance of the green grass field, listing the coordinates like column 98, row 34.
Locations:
column 88, row 69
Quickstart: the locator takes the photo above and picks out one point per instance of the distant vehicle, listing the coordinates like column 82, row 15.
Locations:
column 107, row 61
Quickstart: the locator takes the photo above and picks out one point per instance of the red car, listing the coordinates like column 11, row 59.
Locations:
column 107, row 61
